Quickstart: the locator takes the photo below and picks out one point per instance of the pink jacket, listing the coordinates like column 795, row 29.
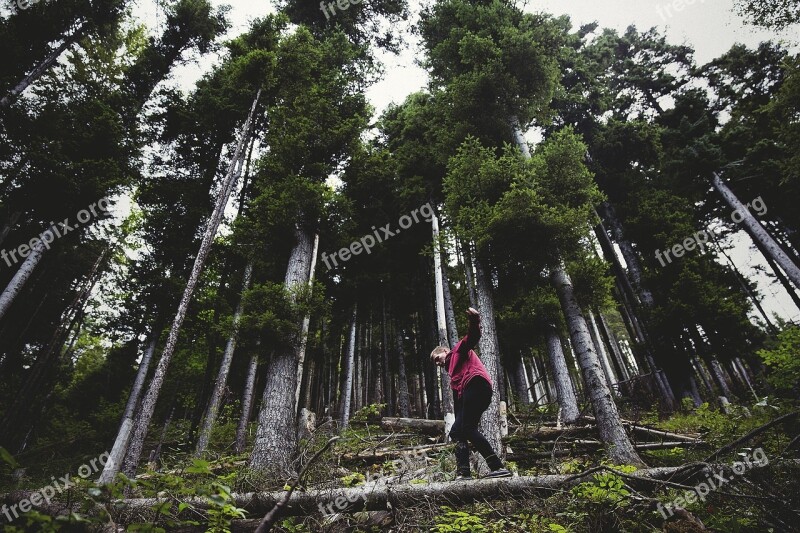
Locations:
column 462, row 363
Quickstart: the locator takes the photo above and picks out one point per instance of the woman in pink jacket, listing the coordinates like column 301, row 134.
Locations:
column 472, row 392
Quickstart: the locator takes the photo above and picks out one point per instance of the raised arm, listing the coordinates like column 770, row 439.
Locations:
column 470, row 340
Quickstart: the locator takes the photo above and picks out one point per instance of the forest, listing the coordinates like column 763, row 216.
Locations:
column 221, row 306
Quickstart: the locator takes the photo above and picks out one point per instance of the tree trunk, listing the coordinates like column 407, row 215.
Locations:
column 222, row 378
column 114, row 461
column 743, row 283
column 565, row 394
column 784, row 281
column 602, row 355
column 521, row 383
column 490, row 355
column 24, row 409
column 276, row 436
column 441, row 318
column 156, row 453
column 631, row 257
column 348, row 372
column 247, row 404
column 40, row 69
column 387, row 372
column 757, row 232
column 616, row 354
column 17, row 283
column 403, row 406
column 149, row 402
column 301, row 355
column 612, row 432
column 473, row 299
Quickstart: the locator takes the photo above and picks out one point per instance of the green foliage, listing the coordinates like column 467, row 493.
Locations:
column 368, row 412
column 353, row 480
column 607, row 488
column 452, row 521
column 783, row 359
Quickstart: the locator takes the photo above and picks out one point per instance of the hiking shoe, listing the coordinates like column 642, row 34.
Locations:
column 462, row 477
column 500, row 472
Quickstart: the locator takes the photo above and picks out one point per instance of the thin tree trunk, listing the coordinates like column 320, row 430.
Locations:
column 784, row 281
column 742, row 280
column 114, row 461
column 441, row 318
column 757, row 232
column 565, row 394
column 612, row 432
column 222, row 377
column 247, row 404
column 23, row 410
column 611, row 342
column 631, row 258
column 602, row 355
column 473, row 298
column 155, row 454
column 23, row 274
column 276, row 436
column 348, row 373
column 521, row 382
column 402, row 378
column 301, row 356
column 42, row 67
column 149, row 403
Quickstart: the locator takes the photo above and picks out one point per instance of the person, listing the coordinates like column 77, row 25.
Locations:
column 472, row 393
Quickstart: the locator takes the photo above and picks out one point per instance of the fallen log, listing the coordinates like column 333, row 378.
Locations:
column 376, row 496
column 419, row 425
column 378, row 455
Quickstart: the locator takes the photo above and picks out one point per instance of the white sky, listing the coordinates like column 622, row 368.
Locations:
column 709, row 26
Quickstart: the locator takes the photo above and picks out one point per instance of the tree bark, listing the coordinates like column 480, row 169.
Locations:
column 441, row 318
column 631, row 257
column 521, row 383
column 602, row 355
column 757, row 232
column 222, row 377
column 565, row 394
column 490, row 355
column 114, row 461
column 612, row 432
column 23, row 274
column 247, row 404
column 403, row 406
column 301, row 355
column 276, row 436
column 348, row 372
column 375, row 496
column 149, row 402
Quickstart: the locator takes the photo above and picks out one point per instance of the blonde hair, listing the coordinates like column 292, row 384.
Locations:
column 438, row 350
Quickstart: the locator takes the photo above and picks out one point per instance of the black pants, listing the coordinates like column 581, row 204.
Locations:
column 474, row 401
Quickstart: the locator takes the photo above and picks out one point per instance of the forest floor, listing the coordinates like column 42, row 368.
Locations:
column 702, row 476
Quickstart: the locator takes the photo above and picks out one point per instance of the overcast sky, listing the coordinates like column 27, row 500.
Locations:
column 709, row 26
